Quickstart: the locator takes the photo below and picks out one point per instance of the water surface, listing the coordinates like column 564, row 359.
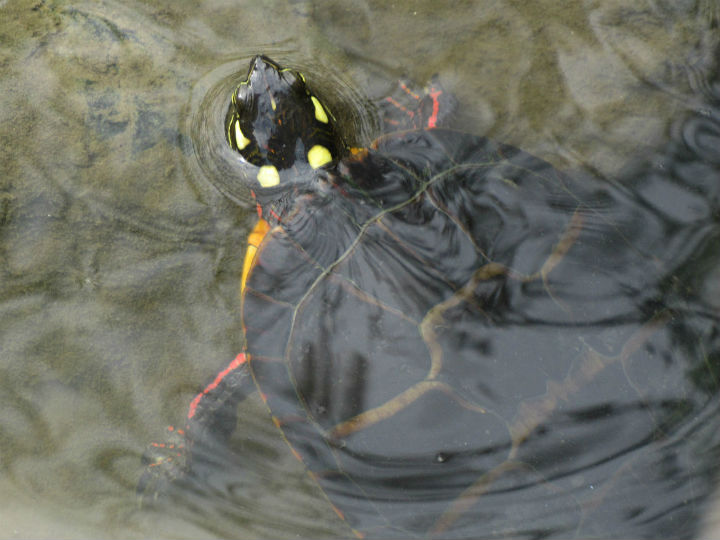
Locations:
column 119, row 258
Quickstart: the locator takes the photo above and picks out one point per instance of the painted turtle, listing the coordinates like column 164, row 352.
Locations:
column 423, row 318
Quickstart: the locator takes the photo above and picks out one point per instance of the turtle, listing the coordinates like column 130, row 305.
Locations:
column 425, row 315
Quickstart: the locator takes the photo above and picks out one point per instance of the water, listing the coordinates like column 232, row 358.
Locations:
column 119, row 258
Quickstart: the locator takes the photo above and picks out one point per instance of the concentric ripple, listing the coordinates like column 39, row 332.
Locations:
column 218, row 164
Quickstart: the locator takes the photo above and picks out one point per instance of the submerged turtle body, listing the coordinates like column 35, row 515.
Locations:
column 423, row 316
column 369, row 315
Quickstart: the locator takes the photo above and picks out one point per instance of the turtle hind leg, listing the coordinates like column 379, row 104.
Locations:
column 210, row 422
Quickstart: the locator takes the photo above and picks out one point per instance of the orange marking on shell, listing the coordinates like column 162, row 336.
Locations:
column 339, row 512
column 296, row 454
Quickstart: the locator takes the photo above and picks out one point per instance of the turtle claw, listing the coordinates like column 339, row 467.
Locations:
column 165, row 463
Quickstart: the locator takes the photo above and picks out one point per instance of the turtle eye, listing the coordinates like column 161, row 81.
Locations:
column 241, row 94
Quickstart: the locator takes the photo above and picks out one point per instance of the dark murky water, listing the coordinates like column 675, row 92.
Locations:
column 119, row 259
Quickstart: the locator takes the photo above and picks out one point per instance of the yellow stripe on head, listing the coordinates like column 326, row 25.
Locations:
column 240, row 139
column 320, row 114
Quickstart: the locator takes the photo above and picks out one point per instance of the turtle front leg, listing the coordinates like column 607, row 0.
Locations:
column 416, row 108
column 211, row 417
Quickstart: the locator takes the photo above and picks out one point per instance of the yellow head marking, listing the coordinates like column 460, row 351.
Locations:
column 318, row 156
column 268, row 176
column 320, row 114
column 241, row 140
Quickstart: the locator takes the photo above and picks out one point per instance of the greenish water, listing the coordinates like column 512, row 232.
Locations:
column 119, row 260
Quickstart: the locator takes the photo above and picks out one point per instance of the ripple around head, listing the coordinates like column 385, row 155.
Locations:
column 208, row 153
column 211, row 158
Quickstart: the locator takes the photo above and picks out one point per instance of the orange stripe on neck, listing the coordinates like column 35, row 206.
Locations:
column 254, row 239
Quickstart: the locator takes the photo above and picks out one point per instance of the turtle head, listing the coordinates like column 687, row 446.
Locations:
column 278, row 125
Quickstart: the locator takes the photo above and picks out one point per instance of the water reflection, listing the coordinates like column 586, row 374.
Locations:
column 525, row 347
column 119, row 260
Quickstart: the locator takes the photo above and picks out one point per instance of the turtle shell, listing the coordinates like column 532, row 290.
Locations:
column 417, row 321
column 458, row 340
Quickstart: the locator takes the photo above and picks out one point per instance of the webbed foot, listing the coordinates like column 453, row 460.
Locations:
column 165, row 463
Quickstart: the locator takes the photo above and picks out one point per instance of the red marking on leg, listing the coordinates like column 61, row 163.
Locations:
column 400, row 106
column 408, row 91
column 432, row 121
column 259, row 210
column 236, row 363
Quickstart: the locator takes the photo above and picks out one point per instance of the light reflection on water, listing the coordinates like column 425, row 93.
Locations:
column 119, row 260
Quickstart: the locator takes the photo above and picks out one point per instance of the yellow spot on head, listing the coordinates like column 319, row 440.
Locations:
column 272, row 103
column 268, row 176
column 318, row 156
column 240, row 139
column 320, row 114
